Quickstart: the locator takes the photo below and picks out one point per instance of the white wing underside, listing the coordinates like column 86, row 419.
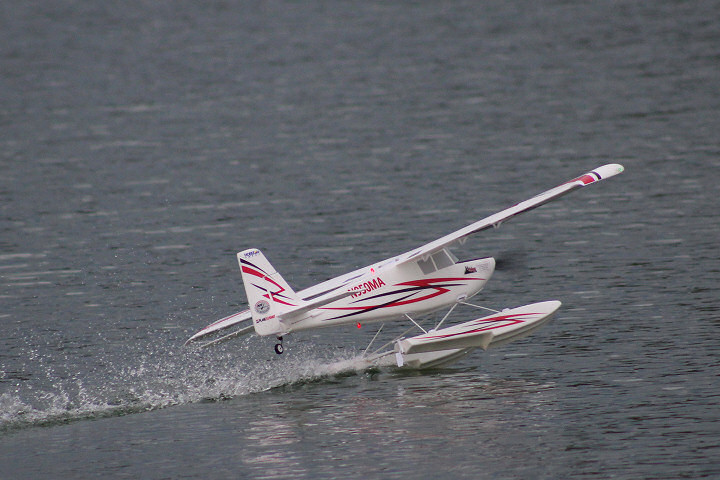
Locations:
column 460, row 236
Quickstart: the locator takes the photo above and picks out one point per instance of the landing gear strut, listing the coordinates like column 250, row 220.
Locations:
column 279, row 347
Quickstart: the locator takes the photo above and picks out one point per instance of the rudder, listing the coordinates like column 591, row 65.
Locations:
column 268, row 294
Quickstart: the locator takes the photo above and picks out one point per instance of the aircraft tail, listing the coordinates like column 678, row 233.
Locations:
column 268, row 294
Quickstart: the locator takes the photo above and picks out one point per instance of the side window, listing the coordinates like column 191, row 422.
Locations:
column 426, row 266
column 442, row 259
column 437, row 261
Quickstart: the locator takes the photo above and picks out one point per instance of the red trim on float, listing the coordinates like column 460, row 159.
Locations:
column 505, row 319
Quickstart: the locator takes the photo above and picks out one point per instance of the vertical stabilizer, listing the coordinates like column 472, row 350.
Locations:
column 267, row 292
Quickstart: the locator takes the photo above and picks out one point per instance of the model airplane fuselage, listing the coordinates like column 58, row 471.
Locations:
column 378, row 293
column 418, row 282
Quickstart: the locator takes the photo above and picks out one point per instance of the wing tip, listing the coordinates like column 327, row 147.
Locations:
column 600, row 173
column 609, row 170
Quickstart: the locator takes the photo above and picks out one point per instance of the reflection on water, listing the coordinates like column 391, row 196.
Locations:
column 428, row 415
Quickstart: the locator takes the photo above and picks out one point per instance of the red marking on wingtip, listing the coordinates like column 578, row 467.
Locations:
column 586, row 179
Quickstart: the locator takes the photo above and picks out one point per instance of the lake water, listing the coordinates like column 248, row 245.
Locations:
column 143, row 144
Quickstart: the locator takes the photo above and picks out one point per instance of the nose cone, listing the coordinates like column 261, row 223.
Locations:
column 486, row 267
column 481, row 270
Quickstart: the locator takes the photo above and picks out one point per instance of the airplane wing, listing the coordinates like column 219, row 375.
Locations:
column 460, row 236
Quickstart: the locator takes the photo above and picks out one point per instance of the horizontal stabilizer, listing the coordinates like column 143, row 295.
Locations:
column 237, row 333
column 221, row 324
column 495, row 329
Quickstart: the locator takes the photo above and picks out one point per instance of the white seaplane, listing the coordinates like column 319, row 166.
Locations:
column 418, row 282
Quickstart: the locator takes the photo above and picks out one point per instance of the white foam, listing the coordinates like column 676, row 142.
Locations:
column 159, row 380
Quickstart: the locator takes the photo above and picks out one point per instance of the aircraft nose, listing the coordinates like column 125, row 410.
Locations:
column 486, row 267
column 491, row 266
column 481, row 270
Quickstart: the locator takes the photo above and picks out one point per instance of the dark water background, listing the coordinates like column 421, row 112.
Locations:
column 143, row 143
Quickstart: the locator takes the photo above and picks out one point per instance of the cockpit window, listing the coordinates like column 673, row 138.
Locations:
column 442, row 259
column 437, row 261
column 426, row 266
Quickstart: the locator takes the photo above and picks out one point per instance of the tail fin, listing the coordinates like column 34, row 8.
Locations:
column 267, row 292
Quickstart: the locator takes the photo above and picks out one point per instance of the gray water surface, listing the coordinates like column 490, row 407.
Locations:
column 143, row 144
